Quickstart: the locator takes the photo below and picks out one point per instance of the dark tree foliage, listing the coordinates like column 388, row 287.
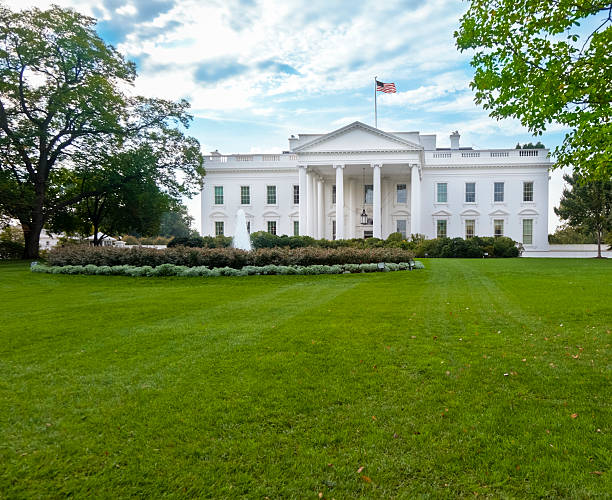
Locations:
column 545, row 62
column 587, row 205
column 64, row 91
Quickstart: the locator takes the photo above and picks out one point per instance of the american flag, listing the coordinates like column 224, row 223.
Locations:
column 387, row 88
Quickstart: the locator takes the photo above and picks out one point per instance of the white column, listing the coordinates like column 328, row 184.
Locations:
column 377, row 229
column 311, row 205
column 339, row 201
column 350, row 230
column 415, row 193
column 203, row 214
column 303, row 200
column 320, row 210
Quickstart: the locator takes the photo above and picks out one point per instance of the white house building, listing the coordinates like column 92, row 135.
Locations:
column 358, row 182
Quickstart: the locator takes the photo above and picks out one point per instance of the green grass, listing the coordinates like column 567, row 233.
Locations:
column 287, row 386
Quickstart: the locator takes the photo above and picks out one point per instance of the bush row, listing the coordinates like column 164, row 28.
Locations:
column 202, row 242
column 477, row 246
column 173, row 270
column 11, row 249
column 222, row 257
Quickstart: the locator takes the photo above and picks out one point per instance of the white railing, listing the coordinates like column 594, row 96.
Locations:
column 528, row 152
column 441, row 155
column 250, row 158
column 499, row 154
column 511, row 153
column 471, row 154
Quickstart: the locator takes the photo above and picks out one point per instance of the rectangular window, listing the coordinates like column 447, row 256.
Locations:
column 470, row 192
column 271, row 195
column 245, row 195
column 442, row 192
column 296, row 228
column 218, row 195
column 498, row 227
column 333, row 230
column 368, row 194
column 498, row 192
column 527, row 191
column 402, row 193
column 470, row 228
column 272, row 226
column 334, row 194
column 296, row 195
column 527, row 231
column 401, row 227
column 368, row 234
column 219, row 228
column 441, row 228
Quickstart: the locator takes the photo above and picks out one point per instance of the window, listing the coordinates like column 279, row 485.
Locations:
column 272, row 226
column 296, row 228
column 498, row 192
column 441, row 228
column 334, row 194
column 498, row 227
column 442, row 192
column 401, row 227
column 470, row 228
column 333, row 230
column 527, row 191
column 249, row 226
column 245, row 195
column 368, row 234
column 271, row 195
column 218, row 195
column 219, row 228
column 368, row 194
column 296, row 195
column 470, row 192
column 527, row 231
column 402, row 193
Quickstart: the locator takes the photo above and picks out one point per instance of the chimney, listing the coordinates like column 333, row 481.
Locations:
column 455, row 140
column 215, row 153
column 293, row 140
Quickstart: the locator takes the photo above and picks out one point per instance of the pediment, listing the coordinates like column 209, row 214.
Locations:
column 528, row 211
column 442, row 213
column 499, row 213
column 470, row 212
column 294, row 214
column 399, row 213
column 271, row 213
column 217, row 213
column 357, row 137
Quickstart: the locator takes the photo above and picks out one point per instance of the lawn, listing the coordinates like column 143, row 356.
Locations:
column 488, row 377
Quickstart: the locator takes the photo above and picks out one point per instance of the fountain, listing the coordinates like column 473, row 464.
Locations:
column 242, row 239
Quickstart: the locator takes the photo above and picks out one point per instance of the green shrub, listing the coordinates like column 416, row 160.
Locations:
column 11, row 249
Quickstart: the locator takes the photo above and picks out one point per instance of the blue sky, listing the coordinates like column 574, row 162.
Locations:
column 257, row 71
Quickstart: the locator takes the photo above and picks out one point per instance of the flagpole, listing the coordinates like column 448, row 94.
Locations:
column 375, row 107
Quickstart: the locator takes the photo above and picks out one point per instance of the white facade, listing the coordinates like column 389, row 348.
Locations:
column 322, row 185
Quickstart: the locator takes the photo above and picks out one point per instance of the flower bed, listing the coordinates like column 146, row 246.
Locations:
column 222, row 257
column 174, row 270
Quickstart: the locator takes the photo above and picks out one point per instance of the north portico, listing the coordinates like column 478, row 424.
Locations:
column 350, row 160
column 359, row 181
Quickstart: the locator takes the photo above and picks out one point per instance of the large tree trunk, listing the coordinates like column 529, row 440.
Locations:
column 31, row 234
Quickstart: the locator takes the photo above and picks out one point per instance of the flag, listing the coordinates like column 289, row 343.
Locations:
column 387, row 88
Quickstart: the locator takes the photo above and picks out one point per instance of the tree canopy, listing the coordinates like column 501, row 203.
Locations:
column 66, row 98
column 587, row 206
column 546, row 62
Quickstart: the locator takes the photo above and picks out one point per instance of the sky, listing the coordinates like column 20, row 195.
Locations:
column 257, row 71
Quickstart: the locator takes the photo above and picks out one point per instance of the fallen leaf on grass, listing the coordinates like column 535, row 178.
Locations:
column 597, row 472
column 574, row 415
column 366, row 479
column 360, row 470
column 373, row 417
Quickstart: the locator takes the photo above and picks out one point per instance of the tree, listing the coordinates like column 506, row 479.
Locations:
column 63, row 90
column 535, row 61
column 568, row 235
column 127, row 197
column 177, row 223
column 587, row 206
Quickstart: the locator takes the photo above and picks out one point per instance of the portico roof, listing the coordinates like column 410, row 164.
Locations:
column 357, row 137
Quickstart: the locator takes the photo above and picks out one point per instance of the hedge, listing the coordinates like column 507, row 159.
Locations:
column 173, row 270
column 11, row 249
column 221, row 257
